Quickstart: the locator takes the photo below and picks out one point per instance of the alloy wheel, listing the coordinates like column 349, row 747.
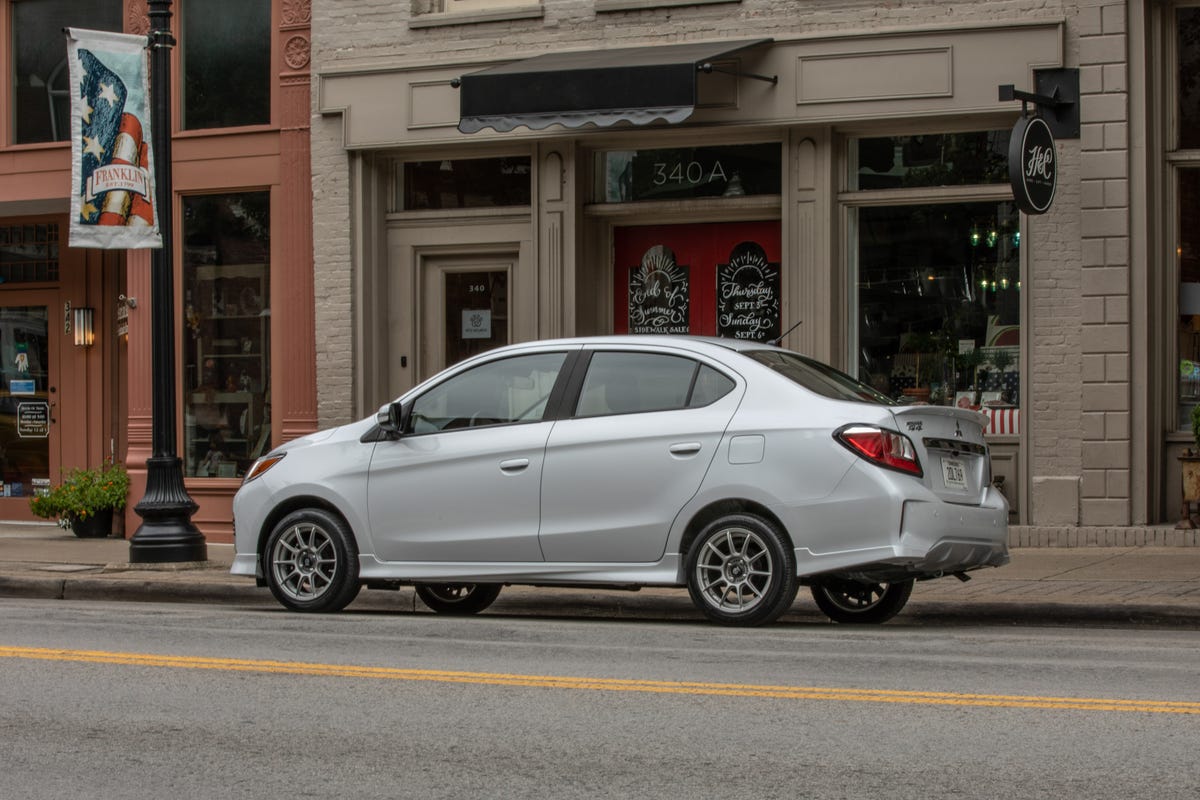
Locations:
column 734, row 570
column 304, row 561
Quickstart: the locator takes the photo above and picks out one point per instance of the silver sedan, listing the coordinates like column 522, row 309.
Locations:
column 739, row 470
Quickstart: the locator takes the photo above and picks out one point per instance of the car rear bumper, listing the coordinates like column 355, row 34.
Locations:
column 935, row 538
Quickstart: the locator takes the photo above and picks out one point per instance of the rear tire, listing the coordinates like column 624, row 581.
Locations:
column 311, row 562
column 458, row 599
column 860, row 602
column 741, row 571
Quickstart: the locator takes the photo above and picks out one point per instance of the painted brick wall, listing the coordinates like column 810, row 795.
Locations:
column 1105, row 291
column 1054, row 330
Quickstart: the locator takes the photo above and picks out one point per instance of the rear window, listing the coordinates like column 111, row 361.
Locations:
column 819, row 378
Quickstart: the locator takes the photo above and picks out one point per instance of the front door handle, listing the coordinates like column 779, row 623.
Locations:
column 683, row 449
column 514, row 465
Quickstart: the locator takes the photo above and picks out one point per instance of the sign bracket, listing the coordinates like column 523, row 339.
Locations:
column 1056, row 96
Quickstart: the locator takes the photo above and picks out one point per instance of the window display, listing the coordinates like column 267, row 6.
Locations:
column 227, row 334
column 938, row 294
column 1189, row 296
column 938, row 301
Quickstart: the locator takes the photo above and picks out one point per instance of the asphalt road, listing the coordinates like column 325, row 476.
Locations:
column 120, row 700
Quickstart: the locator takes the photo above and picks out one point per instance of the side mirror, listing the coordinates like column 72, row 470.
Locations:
column 393, row 417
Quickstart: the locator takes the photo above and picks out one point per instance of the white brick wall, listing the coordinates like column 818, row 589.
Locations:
column 1104, row 229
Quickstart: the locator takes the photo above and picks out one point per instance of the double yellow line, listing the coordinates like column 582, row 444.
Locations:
column 604, row 684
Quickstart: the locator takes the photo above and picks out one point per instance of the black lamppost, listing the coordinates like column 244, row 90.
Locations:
column 166, row 532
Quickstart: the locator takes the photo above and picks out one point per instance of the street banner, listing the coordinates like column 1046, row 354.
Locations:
column 112, row 172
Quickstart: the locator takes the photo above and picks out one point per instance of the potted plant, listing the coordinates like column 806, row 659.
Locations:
column 85, row 500
column 969, row 362
column 923, row 347
column 1189, row 467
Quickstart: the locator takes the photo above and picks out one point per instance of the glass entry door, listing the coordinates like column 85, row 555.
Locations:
column 466, row 310
column 29, row 449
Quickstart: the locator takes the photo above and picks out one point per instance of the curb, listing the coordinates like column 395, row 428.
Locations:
column 529, row 602
column 146, row 591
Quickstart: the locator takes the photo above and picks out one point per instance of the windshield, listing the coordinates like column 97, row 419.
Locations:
column 817, row 377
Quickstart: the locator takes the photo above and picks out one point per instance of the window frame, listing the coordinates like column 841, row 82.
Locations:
column 850, row 201
column 178, row 64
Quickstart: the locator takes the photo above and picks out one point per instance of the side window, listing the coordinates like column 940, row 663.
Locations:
column 626, row 383
column 710, row 387
column 496, row 393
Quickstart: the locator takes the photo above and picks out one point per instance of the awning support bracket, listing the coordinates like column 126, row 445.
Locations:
column 708, row 68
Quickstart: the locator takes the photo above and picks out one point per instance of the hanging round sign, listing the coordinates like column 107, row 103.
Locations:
column 1032, row 169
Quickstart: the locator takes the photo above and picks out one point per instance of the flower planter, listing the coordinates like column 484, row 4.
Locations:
column 97, row 526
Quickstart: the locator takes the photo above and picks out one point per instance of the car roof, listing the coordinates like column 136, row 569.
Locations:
column 694, row 343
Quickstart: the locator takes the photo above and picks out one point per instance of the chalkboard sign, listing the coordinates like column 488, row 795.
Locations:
column 748, row 295
column 659, row 294
column 33, row 420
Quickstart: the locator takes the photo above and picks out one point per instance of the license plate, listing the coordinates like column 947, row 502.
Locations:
column 954, row 473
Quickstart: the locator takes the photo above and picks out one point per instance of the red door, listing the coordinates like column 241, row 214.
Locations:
column 716, row 279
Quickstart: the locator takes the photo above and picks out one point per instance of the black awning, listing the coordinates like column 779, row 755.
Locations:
column 600, row 87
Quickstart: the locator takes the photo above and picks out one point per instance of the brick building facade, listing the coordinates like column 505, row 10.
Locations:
column 1088, row 452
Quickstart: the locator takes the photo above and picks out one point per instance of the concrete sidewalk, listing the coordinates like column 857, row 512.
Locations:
column 1119, row 585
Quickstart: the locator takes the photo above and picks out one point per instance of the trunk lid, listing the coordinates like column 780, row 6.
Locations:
column 950, row 445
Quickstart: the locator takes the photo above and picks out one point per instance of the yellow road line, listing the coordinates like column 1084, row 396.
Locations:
column 604, row 684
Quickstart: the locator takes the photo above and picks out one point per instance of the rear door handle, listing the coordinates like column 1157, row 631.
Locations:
column 514, row 465
column 685, row 449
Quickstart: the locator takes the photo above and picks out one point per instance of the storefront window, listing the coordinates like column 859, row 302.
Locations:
column 467, row 183
column 1188, row 45
column 627, row 176
column 944, row 159
column 226, row 333
column 938, row 290
column 1189, row 294
column 40, row 92
column 226, row 50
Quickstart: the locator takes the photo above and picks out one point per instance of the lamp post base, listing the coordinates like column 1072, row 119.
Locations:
column 166, row 533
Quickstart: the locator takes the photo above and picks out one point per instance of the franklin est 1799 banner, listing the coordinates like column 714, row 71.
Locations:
column 112, row 174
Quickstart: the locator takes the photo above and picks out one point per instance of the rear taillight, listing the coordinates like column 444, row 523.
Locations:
column 881, row 446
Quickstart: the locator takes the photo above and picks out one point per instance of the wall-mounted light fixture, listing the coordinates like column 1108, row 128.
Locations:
column 85, row 334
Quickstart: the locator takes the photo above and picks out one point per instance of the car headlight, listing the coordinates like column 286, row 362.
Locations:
column 262, row 465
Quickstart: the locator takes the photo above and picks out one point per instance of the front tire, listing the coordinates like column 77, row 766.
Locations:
column 312, row 562
column 741, row 571
column 849, row 601
column 458, row 599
